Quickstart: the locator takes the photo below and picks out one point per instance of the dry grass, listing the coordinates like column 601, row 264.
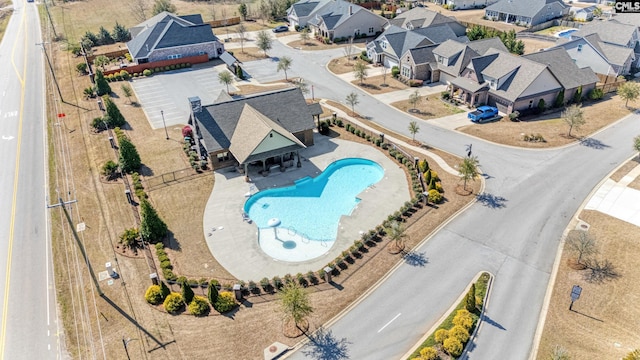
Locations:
column 249, row 54
column 314, row 44
column 254, row 89
column 343, row 65
column 427, row 108
column 535, row 45
column 376, row 85
column 551, row 126
column 473, row 17
column 605, row 322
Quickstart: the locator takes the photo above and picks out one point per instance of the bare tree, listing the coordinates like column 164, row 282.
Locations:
column 214, row 10
column 139, row 9
column 600, row 271
column 304, row 36
column 348, row 50
column 384, row 75
column 225, row 21
column 352, row 99
column 582, row 244
column 572, row 115
column 241, row 30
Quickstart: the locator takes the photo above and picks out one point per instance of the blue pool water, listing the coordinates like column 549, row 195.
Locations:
column 566, row 33
column 313, row 206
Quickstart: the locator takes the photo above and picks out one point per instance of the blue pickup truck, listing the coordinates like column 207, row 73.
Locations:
column 483, row 114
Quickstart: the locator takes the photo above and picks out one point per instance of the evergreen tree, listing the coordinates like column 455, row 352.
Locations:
column 577, row 96
column 187, row 292
column 120, row 33
column 471, row 299
column 559, row 99
column 102, row 86
column 163, row 5
column 90, row 38
column 129, row 157
column 212, row 293
column 242, row 9
column 104, row 36
column 152, row 228
column 115, row 116
column 427, row 177
column 432, row 184
column 164, row 289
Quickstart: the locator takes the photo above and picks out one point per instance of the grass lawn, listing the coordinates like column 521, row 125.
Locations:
column 427, row 108
column 605, row 321
column 552, row 30
column 377, row 85
column 551, row 126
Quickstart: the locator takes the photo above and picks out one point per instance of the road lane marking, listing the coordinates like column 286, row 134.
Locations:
column 7, row 282
column 387, row 324
column 13, row 50
column 7, row 137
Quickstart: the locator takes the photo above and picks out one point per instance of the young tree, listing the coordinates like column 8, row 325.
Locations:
column 302, row 85
column 414, row 128
column 264, row 41
column 348, row 50
column 101, row 61
column 284, row 64
column 164, row 289
column 384, row 75
column 414, row 99
column 242, row 10
column 396, row 233
column 129, row 156
column 163, row 5
column 102, row 86
column 559, row 99
column 636, row 144
column 225, row 78
column 115, row 118
column 295, row 303
column 212, row 292
column 352, row 99
column 187, row 292
column 572, row 115
column 629, row 91
column 360, row 71
column 470, row 303
column 582, row 244
column 241, row 30
column 468, row 170
column 304, row 36
column 127, row 92
column 152, row 228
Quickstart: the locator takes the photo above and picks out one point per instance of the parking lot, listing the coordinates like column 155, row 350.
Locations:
column 167, row 93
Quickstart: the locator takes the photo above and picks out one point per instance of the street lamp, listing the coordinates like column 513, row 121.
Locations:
column 165, row 124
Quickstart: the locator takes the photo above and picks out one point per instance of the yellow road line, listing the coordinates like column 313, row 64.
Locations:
column 5, row 307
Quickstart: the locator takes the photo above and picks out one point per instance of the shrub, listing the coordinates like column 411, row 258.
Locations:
column 348, row 127
column 166, row 264
column 395, row 71
column 460, row 333
column 428, row 353
column 441, row 335
column 415, row 83
column 164, row 289
column 212, row 292
column 124, row 74
column 463, row 318
column 172, row 67
column 198, row 306
column 435, row 196
column 311, row 277
column 169, row 275
column 541, row 105
column 173, row 303
column 596, row 94
column 514, row 116
column 445, row 95
column 159, row 246
column 339, row 123
column 265, row 284
column 154, row 295
column 277, row 282
column 225, row 302
column 147, row 72
column 452, row 346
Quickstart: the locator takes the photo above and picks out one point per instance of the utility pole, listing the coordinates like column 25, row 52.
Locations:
column 53, row 74
column 165, row 124
column 75, row 236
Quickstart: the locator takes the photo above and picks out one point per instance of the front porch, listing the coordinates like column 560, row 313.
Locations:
column 468, row 92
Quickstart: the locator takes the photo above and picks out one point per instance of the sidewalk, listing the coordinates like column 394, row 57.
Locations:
column 617, row 199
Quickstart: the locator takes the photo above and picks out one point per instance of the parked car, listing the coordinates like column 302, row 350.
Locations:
column 483, row 114
column 281, row 28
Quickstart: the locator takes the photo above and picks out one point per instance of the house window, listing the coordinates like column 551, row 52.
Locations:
column 579, row 47
column 530, row 103
column 224, row 156
column 370, row 30
column 176, row 56
column 406, row 71
column 492, row 84
column 383, row 44
column 201, row 53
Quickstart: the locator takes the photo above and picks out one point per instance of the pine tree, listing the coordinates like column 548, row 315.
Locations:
column 212, row 293
column 427, row 177
column 104, row 36
column 432, row 184
column 115, row 116
column 129, row 157
column 559, row 99
column 152, row 228
column 164, row 289
column 120, row 33
column 187, row 292
column 102, row 86
column 471, row 299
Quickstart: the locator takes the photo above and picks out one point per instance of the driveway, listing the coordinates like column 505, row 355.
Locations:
column 166, row 93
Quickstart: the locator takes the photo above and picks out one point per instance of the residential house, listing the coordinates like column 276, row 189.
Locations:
column 421, row 17
column 507, row 81
column 566, row 71
column 582, row 14
column 526, row 12
column 603, row 58
column 167, row 36
column 468, row 4
column 615, row 32
column 256, row 129
column 335, row 19
column 387, row 48
column 452, row 57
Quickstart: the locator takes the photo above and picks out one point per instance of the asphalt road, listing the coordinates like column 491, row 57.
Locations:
column 513, row 231
column 28, row 327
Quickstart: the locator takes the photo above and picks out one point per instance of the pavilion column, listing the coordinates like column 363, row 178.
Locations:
column 299, row 164
column 246, row 172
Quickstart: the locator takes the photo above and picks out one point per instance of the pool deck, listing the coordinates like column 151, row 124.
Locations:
column 234, row 242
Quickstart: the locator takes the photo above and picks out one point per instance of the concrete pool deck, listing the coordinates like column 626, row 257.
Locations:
column 234, row 242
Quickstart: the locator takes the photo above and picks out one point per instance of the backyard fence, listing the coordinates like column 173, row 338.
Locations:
column 152, row 183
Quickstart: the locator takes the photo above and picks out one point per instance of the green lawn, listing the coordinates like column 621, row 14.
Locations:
column 552, row 30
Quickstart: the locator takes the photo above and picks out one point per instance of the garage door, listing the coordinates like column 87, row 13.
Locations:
column 499, row 103
column 389, row 62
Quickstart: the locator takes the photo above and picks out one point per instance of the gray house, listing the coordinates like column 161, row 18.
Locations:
column 616, row 32
column 468, row 4
column 387, row 48
column 452, row 57
column 526, row 12
column 303, row 10
column 342, row 19
column 603, row 58
column 256, row 129
column 167, row 36
column 420, row 17
column 570, row 76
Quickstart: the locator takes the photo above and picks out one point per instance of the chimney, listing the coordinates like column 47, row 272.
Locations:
column 350, row 10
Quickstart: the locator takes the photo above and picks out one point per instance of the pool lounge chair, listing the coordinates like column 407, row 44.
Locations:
column 245, row 217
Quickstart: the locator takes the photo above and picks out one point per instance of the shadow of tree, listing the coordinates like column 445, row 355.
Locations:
column 491, row 201
column 415, row 259
column 491, row 322
column 593, row 143
column 324, row 346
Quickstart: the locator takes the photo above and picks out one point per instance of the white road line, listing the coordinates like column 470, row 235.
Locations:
column 387, row 324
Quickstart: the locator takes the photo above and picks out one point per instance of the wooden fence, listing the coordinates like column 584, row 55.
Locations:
column 609, row 83
column 224, row 22
column 162, row 63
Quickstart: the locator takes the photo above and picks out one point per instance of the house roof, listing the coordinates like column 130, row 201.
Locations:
column 420, row 17
column 228, row 59
column 401, row 40
column 612, row 32
column 168, row 30
column 461, row 54
column 423, row 54
column 478, row 64
column 563, row 68
column 220, row 119
column 613, row 54
column 253, row 130
column 527, row 8
column 523, row 73
column 306, row 7
column 483, row 45
column 315, row 108
column 443, row 32
column 626, row 18
column 337, row 12
column 469, row 84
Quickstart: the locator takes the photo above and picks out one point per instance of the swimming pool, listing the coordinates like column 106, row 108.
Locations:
column 309, row 211
column 566, row 33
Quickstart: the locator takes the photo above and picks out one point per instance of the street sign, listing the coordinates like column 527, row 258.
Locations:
column 575, row 292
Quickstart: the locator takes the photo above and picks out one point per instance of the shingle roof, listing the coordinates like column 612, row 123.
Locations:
column 305, row 7
column 423, row 54
column 563, row 68
column 335, row 13
column 219, row 120
column 441, row 32
column 627, row 18
column 315, row 108
column 228, row 59
column 252, row 131
column 469, row 84
column 483, row 45
column 613, row 54
column 609, row 31
column 420, row 17
column 168, row 30
column 528, row 8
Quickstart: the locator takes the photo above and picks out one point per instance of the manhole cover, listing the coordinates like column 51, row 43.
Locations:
column 273, row 348
column 584, row 226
